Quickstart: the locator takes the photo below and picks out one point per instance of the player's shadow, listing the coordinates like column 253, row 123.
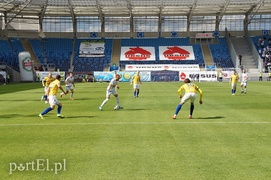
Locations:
column 75, row 99
column 135, row 109
column 65, row 117
column 214, row 117
column 73, row 117
column 20, row 100
column 14, row 116
column 9, row 116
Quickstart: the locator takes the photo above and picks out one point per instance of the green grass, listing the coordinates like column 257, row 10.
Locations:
column 228, row 138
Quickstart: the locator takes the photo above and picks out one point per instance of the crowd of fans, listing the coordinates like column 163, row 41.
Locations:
column 264, row 46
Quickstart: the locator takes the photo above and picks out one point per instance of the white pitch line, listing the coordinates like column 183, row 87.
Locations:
column 128, row 123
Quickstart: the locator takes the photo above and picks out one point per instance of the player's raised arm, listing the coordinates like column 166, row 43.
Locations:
column 180, row 92
column 200, row 94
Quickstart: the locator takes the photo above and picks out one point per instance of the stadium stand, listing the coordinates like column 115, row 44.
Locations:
column 58, row 51
column 53, row 51
column 263, row 46
column 221, row 55
column 16, row 45
column 37, row 48
column 156, row 42
column 86, row 64
column 7, row 55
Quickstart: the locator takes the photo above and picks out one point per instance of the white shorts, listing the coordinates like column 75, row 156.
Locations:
column 53, row 100
column 45, row 88
column 233, row 85
column 136, row 86
column 189, row 96
column 111, row 91
column 69, row 88
column 244, row 83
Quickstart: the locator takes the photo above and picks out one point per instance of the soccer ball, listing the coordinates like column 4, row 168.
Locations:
column 117, row 107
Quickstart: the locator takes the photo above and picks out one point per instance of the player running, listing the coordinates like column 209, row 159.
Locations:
column 69, row 86
column 51, row 93
column 111, row 89
column 45, row 83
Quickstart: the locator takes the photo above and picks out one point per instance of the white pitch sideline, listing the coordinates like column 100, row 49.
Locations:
column 127, row 123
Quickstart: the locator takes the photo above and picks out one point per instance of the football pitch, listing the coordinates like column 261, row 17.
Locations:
column 228, row 138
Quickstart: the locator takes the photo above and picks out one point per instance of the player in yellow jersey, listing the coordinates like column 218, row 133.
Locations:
column 233, row 81
column 190, row 90
column 45, row 83
column 51, row 94
column 136, row 81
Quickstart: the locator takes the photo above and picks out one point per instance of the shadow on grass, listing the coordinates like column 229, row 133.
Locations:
column 214, row 117
column 20, row 100
column 45, row 116
column 75, row 99
column 73, row 117
column 10, row 116
column 135, row 109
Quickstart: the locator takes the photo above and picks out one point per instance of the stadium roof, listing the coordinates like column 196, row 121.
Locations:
column 122, row 8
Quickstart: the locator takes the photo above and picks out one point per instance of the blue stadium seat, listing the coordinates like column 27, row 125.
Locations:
column 221, row 55
column 86, row 64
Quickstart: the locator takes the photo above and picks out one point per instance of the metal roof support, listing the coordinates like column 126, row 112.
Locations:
column 101, row 16
column 130, row 7
column 257, row 7
column 20, row 11
column 41, row 15
column 6, row 4
column 161, row 7
column 73, row 17
column 223, row 10
column 189, row 16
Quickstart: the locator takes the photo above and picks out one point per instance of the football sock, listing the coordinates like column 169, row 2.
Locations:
column 178, row 108
column 191, row 109
column 104, row 102
column 71, row 95
column 137, row 92
column 118, row 101
column 46, row 110
column 59, row 109
column 45, row 97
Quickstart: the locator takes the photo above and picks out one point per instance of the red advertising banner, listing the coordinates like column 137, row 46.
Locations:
column 176, row 53
column 137, row 53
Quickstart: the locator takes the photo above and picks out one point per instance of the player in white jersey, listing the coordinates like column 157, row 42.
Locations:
column 111, row 89
column 244, row 81
column 69, row 86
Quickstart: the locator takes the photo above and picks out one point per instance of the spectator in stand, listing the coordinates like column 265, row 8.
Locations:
column 240, row 59
column 260, row 40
